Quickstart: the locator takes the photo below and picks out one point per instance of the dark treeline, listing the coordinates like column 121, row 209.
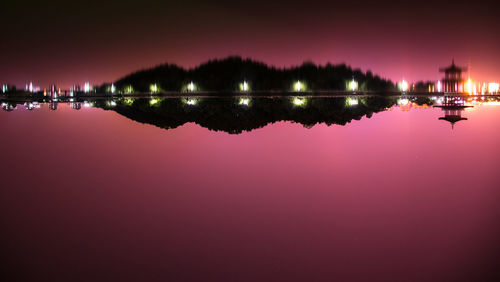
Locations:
column 227, row 74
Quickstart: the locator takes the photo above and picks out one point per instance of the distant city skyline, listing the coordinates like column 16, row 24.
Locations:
column 56, row 43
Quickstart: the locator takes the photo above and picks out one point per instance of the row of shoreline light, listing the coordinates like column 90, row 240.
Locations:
column 467, row 87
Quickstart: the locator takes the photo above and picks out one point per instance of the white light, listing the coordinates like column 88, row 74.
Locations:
column 244, row 86
column 4, row 88
column 191, row 87
column 493, row 87
column 191, row 102
column 86, row 104
column 113, row 88
column 86, row 87
column 244, row 101
column 353, row 85
column 439, row 86
column 298, row 86
column 352, row 101
column 403, row 86
column 403, row 102
column 299, row 101
column 112, row 103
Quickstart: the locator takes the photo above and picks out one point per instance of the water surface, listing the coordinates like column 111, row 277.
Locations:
column 276, row 190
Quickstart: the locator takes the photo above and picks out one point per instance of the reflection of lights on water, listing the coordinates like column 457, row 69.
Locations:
column 299, row 86
column 244, row 101
column 299, row 101
column 129, row 101
column 191, row 102
column 112, row 103
column 353, row 85
column 87, row 104
column 403, row 102
column 153, row 102
column 352, row 101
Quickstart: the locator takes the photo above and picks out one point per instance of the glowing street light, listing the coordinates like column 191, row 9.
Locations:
column 353, row 85
column 129, row 89
column 191, row 87
column 153, row 88
column 244, row 87
column 439, row 87
column 299, row 86
column 86, row 87
column 403, row 85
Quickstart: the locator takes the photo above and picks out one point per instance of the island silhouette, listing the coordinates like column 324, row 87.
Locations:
column 229, row 74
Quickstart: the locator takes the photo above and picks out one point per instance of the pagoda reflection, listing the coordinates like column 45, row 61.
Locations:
column 453, row 108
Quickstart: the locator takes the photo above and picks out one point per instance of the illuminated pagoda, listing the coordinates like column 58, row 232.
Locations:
column 453, row 80
column 453, row 108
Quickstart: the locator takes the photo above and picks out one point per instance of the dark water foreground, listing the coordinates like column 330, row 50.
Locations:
column 301, row 189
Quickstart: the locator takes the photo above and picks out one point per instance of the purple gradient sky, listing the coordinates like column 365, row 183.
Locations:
column 71, row 42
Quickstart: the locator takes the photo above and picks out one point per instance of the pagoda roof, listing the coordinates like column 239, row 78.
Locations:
column 453, row 68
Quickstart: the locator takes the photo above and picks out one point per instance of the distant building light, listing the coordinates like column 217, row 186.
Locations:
column 113, row 88
column 4, row 88
column 439, row 87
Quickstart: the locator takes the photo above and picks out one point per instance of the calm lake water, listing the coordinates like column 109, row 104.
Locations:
column 263, row 190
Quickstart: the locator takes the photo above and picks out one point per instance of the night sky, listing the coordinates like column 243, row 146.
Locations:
column 68, row 42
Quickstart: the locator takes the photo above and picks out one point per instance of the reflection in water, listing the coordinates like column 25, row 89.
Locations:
column 245, row 113
column 453, row 108
column 236, row 115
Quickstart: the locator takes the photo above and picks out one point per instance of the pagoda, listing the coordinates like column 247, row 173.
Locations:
column 452, row 80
